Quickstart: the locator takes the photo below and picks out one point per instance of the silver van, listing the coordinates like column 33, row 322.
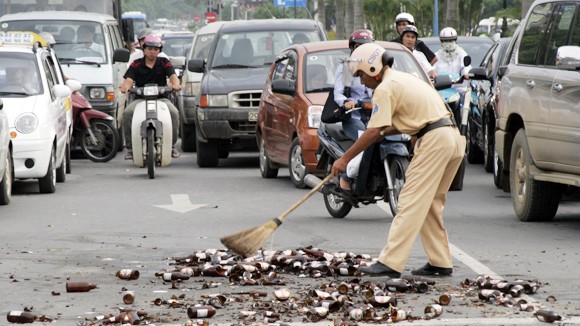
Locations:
column 89, row 47
column 538, row 126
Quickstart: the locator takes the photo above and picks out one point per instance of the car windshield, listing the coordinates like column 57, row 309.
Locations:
column 77, row 42
column 19, row 75
column 476, row 49
column 175, row 46
column 320, row 69
column 255, row 48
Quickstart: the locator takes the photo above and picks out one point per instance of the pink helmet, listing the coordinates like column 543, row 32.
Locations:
column 153, row 41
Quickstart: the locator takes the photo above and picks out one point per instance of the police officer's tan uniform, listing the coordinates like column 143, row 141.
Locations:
column 409, row 104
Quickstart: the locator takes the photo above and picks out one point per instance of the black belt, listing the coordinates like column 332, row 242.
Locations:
column 443, row 122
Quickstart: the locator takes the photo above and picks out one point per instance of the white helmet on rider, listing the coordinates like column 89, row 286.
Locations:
column 405, row 17
column 448, row 38
column 369, row 58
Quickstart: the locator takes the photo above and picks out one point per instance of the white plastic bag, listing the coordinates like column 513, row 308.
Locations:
column 353, row 166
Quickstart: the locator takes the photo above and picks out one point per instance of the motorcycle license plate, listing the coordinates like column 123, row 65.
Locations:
column 253, row 116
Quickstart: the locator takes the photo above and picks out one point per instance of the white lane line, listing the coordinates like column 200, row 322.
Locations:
column 471, row 262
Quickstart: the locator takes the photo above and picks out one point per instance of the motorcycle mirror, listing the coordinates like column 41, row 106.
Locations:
column 442, row 82
column 466, row 61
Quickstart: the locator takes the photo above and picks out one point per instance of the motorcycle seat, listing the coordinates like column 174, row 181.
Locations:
column 335, row 131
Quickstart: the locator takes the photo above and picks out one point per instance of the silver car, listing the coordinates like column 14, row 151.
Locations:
column 538, row 128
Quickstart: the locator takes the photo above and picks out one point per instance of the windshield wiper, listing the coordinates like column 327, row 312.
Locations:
column 233, row 65
column 75, row 60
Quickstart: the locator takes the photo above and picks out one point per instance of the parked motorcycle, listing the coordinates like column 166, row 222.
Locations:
column 94, row 131
column 381, row 172
column 151, row 128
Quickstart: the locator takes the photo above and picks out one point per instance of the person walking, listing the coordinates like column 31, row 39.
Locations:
column 437, row 156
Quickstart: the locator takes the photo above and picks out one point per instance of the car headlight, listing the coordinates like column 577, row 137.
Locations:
column 26, row 123
column 209, row 101
column 314, row 113
column 101, row 93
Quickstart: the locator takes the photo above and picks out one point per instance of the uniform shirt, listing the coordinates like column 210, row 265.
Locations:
column 142, row 75
column 406, row 102
column 358, row 91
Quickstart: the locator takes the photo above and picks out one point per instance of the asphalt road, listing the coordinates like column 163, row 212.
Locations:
column 110, row 216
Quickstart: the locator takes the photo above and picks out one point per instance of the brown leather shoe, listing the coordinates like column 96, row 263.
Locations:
column 379, row 269
column 431, row 270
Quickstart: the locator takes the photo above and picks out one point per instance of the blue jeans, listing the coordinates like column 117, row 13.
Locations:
column 352, row 126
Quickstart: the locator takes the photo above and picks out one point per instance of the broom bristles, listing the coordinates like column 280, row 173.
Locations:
column 246, row 243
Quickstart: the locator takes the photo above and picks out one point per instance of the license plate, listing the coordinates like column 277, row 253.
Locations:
column 253, row 116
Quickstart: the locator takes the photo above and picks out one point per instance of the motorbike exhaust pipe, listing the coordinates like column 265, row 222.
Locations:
column 312, row 181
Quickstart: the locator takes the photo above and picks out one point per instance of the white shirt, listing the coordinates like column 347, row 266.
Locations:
column 358, row 91
column 420, row 56
column 452, row 63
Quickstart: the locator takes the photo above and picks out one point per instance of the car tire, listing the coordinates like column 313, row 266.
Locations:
column 61, row 171
column 488, row 144
column 207, row 154
column 188, row 137
column 533, row 200
column 68, row 158
column 296, row 165
column 266, row 167
column 474, row 153
column 497, row 170
column 47, row 184
column 7, row 178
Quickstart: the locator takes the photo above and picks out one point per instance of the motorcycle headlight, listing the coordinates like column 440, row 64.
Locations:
column 314, row 113
column 150, row 91
column 26, row 123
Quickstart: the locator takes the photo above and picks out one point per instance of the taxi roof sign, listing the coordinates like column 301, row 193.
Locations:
column 21, row 38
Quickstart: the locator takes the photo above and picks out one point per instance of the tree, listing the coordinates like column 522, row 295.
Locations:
column 321, row 10
column 339, row 19
column 358, row 15
column 451, row 18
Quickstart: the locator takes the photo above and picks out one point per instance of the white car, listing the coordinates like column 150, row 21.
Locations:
column 6, row 172
column 36, row 101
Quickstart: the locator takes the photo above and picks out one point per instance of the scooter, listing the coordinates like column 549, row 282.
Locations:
column 151, row 128
column 381, row 172
column 93, row 131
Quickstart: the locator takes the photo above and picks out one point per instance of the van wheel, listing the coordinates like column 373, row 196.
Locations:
column 266, row 168
column 47, row 184
column 188, row 137
column 533, row 200
column 207, row 154
column 6, row 183
column 296, row 164
column 474, row 153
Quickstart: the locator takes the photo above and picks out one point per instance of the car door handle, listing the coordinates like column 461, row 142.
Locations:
column 557, row 87
column 530, row 83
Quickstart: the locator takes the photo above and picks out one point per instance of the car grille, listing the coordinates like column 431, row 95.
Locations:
column 245, row 99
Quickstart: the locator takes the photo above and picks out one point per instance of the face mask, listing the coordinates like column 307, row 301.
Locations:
column 449, row 46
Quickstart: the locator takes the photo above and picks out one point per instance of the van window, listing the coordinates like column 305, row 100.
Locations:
column 202, row 46
column 563, row 17
column 534, row 33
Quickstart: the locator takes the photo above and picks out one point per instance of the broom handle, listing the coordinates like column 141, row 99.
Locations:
column 282, row 216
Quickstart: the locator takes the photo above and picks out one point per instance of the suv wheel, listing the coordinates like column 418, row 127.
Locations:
column 296, row 165
column 188, row 137
column 533, row 200
column 488, row 145
column 265, row 165
column 497, row 170
column 207, row 154
column 474, row 153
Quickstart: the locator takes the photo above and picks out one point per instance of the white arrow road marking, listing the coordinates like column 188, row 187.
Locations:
column 180, row 203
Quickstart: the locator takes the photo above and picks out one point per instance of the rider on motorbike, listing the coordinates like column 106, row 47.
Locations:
column 405, row 19
column 451, row 59
column 409, row 36
column 151, row 69
column 347, row 96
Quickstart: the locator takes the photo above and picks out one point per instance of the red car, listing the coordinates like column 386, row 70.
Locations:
column 292, row 99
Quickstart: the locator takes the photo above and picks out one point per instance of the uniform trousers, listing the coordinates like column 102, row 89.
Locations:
column 437, row 157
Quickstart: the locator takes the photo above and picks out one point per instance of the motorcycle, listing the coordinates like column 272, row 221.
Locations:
column 151, row 128
column 381, row 173
column 94, row 131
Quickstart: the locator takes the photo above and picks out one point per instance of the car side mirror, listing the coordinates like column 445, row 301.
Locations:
column 121, row 55
column 501, row 71
column 196, row 65
column 73, row 84
column 478, row 73
column 61, row 91
column 284, row 86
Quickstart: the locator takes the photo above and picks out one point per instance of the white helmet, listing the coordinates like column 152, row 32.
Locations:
column 404, row 16
column 367, row 58
column 448, row 34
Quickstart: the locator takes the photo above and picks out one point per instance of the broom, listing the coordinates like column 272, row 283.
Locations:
column 247, row 242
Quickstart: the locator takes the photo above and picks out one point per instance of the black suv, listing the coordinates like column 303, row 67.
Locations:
column 234, row 73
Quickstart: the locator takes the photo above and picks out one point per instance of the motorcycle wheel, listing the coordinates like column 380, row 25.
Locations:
column 397, row 168
column 151, row 153
column 335, row 205
column 107, row 141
